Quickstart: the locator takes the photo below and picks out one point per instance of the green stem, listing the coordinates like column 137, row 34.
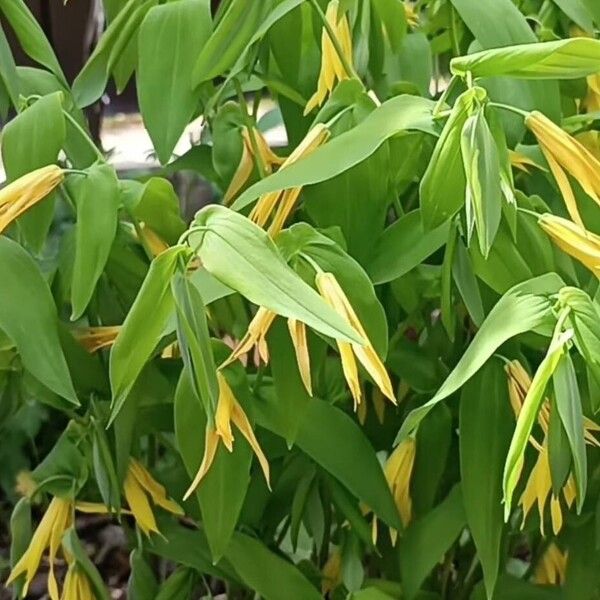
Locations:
column 513, row 109
column 258, row 161
column 336, row 44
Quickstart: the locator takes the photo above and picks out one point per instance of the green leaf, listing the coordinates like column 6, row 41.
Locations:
column 8, row 71
column 462, row 272
column 559, row 451
column 178, row 586
column 243, row 257
column 568, row 405
column 32, row 140
column 28, row 316
column 393, row 20
column 75, row 548
column 229, row 39
column 31, row 36
column 578, row 12
column 562, row 59
column 21, row 532
column 336, row 443
column 194, row 343
column 523, row 308
column 92, row 79
column 104, row 468
column 485, row 429
column 528, row 415
column 139, row 334
column 402, row 113
column 97, row 203
column 482, row 171
column 142, row 583
column 442, row 189
column 403, row 246
column 171, row 37
column 427, row 540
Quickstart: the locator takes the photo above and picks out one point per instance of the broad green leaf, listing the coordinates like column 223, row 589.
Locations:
column 194, row 343
column 462, row 272
column 402, row 113
column 442, row 189
column 243, row 257
column 74, row 547
column 171, row 37
column 21, row 531
column 511, row 588
column 31, row 36
column 568, row 404
column 426, row 541
column 28, row 316
column 97, row 203
column 92, row 79
column 563, row 59
column 485, row 428
column 559, row 451
column 482, row 172
column 32, row 140
column 393, row 21
column 336, row 443
column 210, row 288
column 104, row 468
column 8, row 71
column 403, row 246
column 142, row 583
column 523, row 308
column 229, row 39
column 578, row 12
column 528, row 415
column 178, row 586
column 140, row 334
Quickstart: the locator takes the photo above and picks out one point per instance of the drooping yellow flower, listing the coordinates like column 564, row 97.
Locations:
column 522, row 162
column 332, row 66
column 76, row 585
column 267, row 157
column 378, row 401
column 48, row 535
column 153, row 241
column 334, row 295
column 139, row 486
column 578, row 242
column 278, row 205
column 332, row 572
column 592, row 99
column 539, row 484
column 255, row 337
column 398, row 471
column 552, row 566
column 20, row 195
column 228, row 411
column 96, row 338
column 566, row 155
column 591, row 141
column 412, row 18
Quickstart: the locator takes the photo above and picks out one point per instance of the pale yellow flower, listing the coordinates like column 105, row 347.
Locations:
column 332, row 572
column 228, row 411
column 267, row 157
column 566, row 155
column 552, row 566
column 575, row 240
column 298, row 334
column 522, row 162
column 398, row 471
column 332, row 66
column 96, row 338
column 139, row 486
column 334, row 295
column 48, row 535
column 277, row 206
column 153, row 241
column 76, row 585
column 412, row 17
column 20, row 195
column 592, row 99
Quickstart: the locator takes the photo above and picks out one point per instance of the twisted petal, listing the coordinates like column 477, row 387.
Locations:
column 211, row 443
column 139, row 505
column 298, row 334
column 96, row 338
column 156, row 491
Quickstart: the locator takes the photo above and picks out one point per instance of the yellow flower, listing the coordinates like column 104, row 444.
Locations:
column 398, row 471
column 153, row 241
column 592, row 98
column 228, row 411
column 522, row 162
column 332, row 66
column 331, row 573
column 573, row 239
column 20, row 195
column 96, row 338
column 77, row 585
column 255, row 337
column 267, row 157
column 138, row 486
column 564, row 153
column 48, row 535
column 333, row 294
column 280, row 204
column 412, row 18
column 539, row 485
column 552, row 567
column 378, row 404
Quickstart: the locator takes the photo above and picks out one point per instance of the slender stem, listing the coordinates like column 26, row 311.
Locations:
column 513, row 109
column 258, row 159
column 82, row 132
column 336, row 44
